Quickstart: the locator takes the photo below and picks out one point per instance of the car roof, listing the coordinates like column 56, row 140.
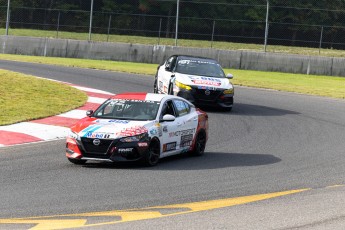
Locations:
column 142, row 96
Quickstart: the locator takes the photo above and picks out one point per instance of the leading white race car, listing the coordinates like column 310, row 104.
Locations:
column 138, row 126
column 200, row 80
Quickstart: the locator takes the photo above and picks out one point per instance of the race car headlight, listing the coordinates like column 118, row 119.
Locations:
column 229, row 91
column 73, row 135
column 182, row 86
column 135, row 138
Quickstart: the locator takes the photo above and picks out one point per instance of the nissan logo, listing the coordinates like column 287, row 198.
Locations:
column 207, row 92
column 96, row 142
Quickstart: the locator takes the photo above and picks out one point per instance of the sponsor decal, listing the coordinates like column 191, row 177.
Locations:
column 153, row 131
column 182, row 132
column 165, row 129
column 206, row 87
column 97, row 135
column 186, row 140
column 142, row 144
column 204, row 82
column 125, row 150
column 112, row 121
column 169, row 146
column 132, row 131
column 187, row 61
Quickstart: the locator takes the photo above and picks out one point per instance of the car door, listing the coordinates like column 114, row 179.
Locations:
column 170, row 140
column 189, row 123
column 165, row 73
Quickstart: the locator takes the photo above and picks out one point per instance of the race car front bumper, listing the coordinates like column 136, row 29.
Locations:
column 199, row 96
column 106, row 150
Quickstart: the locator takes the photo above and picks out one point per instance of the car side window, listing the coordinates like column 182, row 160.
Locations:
column 168, row 108
column 170, row 64
column 182, row 107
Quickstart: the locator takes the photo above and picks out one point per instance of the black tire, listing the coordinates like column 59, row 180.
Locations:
column 227, row 109
column 200, row 144
column 171, row 92
column 155, row 85
column 76, row 161
column 152, row 155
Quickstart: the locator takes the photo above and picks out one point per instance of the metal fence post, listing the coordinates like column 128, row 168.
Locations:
column 321, row 37
column 58, row 25
column 109, row 24
column 8, row 17
column 214, row 24
column 91, row 13
column 177, row 16
column 159, row 31
column 266, row 29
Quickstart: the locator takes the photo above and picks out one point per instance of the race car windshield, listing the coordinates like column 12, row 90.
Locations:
column 128, row 110
column 200, row 67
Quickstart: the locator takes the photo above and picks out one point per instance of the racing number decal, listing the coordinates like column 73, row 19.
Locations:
column 169, row 146
column 186, row 140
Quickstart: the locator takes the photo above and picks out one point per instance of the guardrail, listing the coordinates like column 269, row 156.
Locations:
column 246, row 60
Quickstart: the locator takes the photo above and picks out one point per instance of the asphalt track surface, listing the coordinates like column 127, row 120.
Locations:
column 272, row 141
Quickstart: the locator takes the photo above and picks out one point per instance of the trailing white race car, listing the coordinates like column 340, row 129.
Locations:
column 138, row 126
column 199, row 80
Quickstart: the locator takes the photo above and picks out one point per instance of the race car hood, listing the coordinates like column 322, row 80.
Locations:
column 110, row 128
column 202, row 81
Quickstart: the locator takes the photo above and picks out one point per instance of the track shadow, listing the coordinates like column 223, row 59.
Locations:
column 250, row 110
column 210, row 160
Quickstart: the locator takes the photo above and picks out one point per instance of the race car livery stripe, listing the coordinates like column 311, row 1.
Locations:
column 91, row 129
column 154, row 97
column 12, row 138
column 56, row 120
column 136, row 96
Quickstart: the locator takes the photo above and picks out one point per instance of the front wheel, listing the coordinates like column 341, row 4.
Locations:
column 200, row 144
column 155, row 86
column 152, row 155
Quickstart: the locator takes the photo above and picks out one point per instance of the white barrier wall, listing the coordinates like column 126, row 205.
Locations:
column 156, row 54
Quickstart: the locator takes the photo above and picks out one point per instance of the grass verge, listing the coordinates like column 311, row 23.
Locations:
column 24, row 97
column 300, row 83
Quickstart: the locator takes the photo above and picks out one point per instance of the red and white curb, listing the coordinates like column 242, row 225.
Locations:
column 51, row 128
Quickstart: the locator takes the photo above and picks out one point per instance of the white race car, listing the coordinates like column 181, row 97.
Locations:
column 138, row 126
column 199, row 80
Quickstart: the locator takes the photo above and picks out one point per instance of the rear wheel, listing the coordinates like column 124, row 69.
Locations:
column 152, row 155
column 76, row 161
column 200, row 144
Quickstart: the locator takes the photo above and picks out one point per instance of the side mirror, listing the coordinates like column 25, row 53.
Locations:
column 89, row 113
column 168, row 117
column 230, row 76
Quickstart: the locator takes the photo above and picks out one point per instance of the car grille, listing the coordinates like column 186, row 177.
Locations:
column 90, row 148
column 201, row 96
